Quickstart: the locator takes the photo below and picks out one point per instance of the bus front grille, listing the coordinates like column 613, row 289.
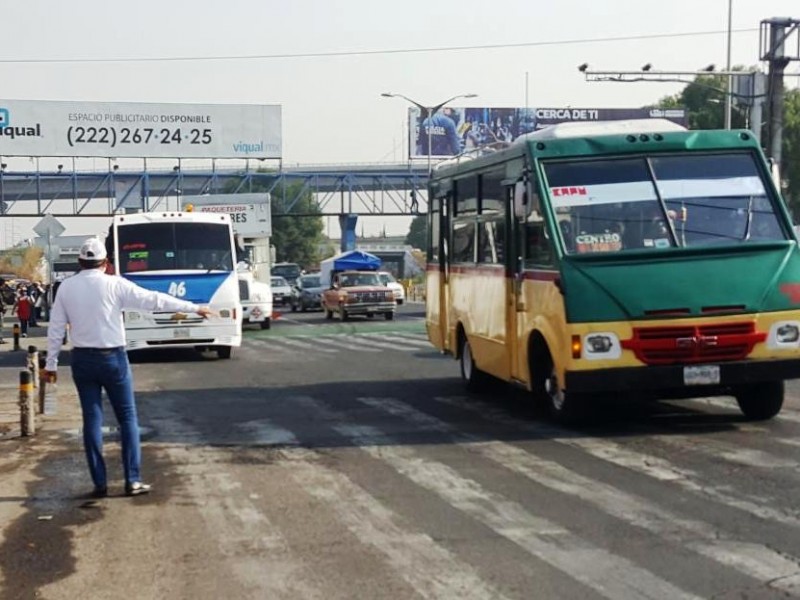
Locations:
column 694, row 344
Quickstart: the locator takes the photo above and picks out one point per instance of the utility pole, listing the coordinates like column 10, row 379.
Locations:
column 774, row 33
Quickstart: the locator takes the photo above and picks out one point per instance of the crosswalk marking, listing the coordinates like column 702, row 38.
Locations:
column 331, row 344
column 640, row 462
column 754, row 559
column 233, row 513
column 429, row 568
column 607, row 574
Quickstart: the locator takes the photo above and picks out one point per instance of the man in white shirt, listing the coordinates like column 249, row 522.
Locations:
column 91, row 303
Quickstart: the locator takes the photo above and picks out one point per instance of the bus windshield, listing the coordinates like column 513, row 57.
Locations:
column 613, row 205
column 174, row 246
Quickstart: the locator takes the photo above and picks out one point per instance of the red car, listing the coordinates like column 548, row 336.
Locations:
column 358, row 293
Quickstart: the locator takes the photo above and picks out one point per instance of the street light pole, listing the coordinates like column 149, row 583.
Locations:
column 729, row 97
column 430, row 111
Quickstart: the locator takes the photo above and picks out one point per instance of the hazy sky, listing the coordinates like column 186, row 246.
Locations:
column 332, row 109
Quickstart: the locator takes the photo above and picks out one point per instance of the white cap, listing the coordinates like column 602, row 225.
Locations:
column 92, row 249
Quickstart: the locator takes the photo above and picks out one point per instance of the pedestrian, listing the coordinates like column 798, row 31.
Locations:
column 2, row 313
column 91, row 303
column 24, row 308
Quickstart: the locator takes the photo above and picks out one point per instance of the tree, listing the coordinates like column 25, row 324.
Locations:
column 704, row 101
column 791, row 149
column 296, row 238
column 24, row 262
column 418, row 232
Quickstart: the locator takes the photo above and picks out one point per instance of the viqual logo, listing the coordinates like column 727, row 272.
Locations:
column 12, row 132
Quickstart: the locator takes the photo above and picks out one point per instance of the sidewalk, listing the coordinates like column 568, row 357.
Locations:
column 11, row 363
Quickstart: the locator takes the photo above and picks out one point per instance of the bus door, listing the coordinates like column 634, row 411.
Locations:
column 438, row 272
column 515, row 299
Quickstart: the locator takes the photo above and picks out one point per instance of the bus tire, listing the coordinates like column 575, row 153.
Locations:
column 760, row 401
column 474, row 379
column 266, row 324
column 559, row 405
column 224, row 352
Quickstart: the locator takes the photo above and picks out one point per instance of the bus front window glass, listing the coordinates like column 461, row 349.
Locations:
column 606, row 206
column 716, row 199
column 174, row 246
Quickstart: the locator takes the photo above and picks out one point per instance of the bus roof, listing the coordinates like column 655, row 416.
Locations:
column 595, row 128
column 171, row 216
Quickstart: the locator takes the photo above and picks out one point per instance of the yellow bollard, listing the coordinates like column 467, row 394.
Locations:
column 27, row 422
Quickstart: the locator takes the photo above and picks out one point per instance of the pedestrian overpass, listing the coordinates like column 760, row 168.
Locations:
column 393, row 189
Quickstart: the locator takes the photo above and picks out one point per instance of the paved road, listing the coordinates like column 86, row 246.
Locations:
column 345, row 461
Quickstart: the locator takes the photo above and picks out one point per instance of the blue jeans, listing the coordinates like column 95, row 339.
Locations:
column 95, row 369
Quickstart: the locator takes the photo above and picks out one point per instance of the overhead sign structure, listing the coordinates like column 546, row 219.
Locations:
column 139, row 130
column 456, row 129
column 250, row 213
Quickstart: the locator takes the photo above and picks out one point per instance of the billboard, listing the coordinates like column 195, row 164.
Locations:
column 454, row 130
column 139, row 130
column 250, row 213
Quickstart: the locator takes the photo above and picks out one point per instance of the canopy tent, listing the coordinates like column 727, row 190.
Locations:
column 354, row 260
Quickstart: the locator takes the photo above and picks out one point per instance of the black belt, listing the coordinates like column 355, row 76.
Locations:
column 101, row 350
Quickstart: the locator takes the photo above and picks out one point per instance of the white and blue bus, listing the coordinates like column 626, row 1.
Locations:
column 189, row 255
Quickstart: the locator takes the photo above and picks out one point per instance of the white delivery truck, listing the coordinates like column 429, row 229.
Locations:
column 252, row 225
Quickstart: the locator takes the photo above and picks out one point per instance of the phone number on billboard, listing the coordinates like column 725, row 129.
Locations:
column 111, row 136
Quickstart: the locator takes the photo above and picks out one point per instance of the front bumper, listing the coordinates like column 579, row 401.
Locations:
column 667, row 380
column 364, row 309
column 182, row 336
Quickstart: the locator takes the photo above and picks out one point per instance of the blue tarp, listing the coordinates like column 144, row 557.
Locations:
column 355, row 260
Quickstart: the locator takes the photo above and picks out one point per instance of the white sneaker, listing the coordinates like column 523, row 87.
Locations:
column 137, row 488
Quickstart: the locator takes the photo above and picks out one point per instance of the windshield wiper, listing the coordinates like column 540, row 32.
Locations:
column 749, row 223
column 220, row 264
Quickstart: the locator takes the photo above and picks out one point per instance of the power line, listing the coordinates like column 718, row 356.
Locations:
column 625, row 38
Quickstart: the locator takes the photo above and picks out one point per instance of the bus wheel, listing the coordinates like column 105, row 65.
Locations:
column 224, row 351
column 473, row 377
column 760, row 401
column 561, row 406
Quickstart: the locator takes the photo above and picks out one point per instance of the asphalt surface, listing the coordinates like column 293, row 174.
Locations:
column 345, row 460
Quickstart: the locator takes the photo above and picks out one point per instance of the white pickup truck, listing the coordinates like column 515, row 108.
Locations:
column 256, row 298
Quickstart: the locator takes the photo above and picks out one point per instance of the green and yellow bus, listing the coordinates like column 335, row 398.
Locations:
column 630, row 257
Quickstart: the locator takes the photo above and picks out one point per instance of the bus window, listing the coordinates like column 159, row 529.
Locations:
column 466, row 196
column 537, row 247
column 463, row 241
column 491, row 239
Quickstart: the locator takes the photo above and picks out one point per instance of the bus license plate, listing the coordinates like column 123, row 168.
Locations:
column 180, row 333
column 701, row 375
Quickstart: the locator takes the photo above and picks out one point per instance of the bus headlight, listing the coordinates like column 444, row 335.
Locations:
column 132, row 316
column 225, row 313
column 784, row 334
column 602, row 345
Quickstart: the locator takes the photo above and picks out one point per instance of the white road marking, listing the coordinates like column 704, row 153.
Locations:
column 610, row 575
column 241, row 530
column 639, row 462
column 340, row 341
column 752, row 559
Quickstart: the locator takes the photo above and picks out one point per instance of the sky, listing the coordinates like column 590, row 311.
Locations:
column 327, row 63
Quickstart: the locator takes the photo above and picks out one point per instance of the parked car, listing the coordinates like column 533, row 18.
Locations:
column 307, row 293
column 289, row 271
column 358, row 293
column 389, row 281
column 281, row 291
